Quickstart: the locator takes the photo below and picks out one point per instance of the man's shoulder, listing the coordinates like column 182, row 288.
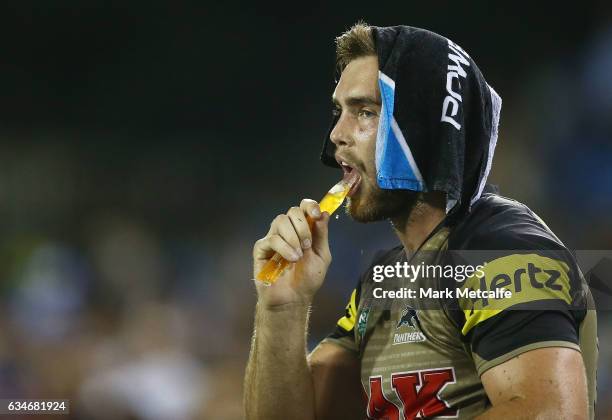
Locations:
column 497, row 222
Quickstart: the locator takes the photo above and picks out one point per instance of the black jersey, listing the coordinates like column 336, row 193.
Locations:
column 422, row 356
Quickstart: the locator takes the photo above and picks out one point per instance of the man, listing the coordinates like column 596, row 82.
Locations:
column 416, row 122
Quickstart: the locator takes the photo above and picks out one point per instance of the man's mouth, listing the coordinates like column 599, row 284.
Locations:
column 350, row 172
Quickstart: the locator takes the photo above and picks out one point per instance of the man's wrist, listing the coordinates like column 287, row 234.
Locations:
column 288, row 307
column 284, row 320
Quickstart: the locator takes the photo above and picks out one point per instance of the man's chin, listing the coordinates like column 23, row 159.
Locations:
column 356, row 212
column 380, row 205
column 363, row 209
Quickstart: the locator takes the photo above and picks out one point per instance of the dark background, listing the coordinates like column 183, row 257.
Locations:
column 144, row 147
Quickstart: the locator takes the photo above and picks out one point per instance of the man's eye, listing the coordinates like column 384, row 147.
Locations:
column 366, row 113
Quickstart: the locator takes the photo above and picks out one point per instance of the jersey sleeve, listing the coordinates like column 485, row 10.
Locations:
column 529, row 294
column 344, row 331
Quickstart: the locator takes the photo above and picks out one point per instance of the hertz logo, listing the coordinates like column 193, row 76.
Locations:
column 530, row 278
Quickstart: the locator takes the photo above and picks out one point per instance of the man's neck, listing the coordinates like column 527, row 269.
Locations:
column 414, row 228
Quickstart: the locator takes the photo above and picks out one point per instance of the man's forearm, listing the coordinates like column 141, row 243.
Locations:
column 278, row 383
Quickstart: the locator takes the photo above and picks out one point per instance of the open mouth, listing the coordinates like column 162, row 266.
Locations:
column 350, row 175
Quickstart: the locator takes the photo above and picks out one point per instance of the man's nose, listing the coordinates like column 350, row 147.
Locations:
column 340, row 134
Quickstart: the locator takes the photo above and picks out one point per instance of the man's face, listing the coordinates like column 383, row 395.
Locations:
column 358, row 105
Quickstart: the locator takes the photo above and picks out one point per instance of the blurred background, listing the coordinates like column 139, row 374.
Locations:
column 144, row 147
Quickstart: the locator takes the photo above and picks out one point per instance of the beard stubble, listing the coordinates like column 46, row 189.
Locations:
column 373, row 204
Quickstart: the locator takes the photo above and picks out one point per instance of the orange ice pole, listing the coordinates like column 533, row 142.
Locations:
column 330, row 203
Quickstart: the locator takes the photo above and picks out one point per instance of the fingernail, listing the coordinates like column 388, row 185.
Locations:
column 294, row 256
column 299, row 252
column 315, row 212
column 306, row 243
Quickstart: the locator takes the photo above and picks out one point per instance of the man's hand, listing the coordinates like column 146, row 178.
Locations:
column 291, row 237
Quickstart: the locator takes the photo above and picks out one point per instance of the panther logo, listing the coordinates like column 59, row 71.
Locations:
column 409, row 317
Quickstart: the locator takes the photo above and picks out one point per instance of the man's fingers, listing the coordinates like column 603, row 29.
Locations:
column 320, row 243
column 285, row 229
column 300, row 224
column 301, row 228
column 311, row 208
column 264, row 248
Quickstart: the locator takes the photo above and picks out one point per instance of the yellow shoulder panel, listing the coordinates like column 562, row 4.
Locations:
column 529, row 277
column 347, row 322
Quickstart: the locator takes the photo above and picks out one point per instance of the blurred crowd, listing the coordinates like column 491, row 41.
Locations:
column 105, row 302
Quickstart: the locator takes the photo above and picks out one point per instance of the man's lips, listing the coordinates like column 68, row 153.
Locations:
column 350, row 174
column 355, row 185
column 344, row 163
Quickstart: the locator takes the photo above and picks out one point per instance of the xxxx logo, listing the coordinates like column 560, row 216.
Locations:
column 420, row 394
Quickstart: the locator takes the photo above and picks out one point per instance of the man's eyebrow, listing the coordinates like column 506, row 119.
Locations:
column 357, row 100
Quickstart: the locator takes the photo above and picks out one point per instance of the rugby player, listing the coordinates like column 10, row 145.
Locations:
column 416, row 121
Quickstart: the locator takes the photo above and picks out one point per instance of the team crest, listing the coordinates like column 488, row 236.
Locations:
column 409, row 317
column 410, row 329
